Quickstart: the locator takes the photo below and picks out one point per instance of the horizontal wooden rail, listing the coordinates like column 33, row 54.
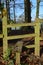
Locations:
column 21, row 24
column 30, row 46
column 1, row 35
column 21, row 36
column 40, row 20
column 41, row 38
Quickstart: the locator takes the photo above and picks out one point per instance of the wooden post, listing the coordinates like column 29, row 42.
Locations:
column 18, row 58
column 19, row 45
column 37, row 40
column 5, row 44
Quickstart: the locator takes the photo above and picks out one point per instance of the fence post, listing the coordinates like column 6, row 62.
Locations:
column 19, row 45
column 4, row 26
column 37, row 40
column 18, row 58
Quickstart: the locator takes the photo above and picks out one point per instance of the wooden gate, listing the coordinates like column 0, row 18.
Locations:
column 5, row 37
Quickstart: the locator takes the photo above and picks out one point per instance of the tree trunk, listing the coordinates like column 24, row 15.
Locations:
column 27, row 7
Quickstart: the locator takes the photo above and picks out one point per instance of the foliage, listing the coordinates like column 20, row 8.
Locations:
column 10, row 62
column 9, row 50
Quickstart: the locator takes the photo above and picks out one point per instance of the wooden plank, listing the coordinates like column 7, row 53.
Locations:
column 21, row 24
column 30, row 46
column 40, row 20
column 41, row 38
column 37, row 39
column 5, row 44
column 18, row 58
column 21, row 36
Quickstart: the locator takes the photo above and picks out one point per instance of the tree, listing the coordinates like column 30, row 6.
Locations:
column 1, row 8
column 8, row 10
column 27, row 6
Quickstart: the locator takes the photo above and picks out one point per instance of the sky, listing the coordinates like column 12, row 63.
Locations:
column 33, row 9
column 33, row 13
column 19, row 11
